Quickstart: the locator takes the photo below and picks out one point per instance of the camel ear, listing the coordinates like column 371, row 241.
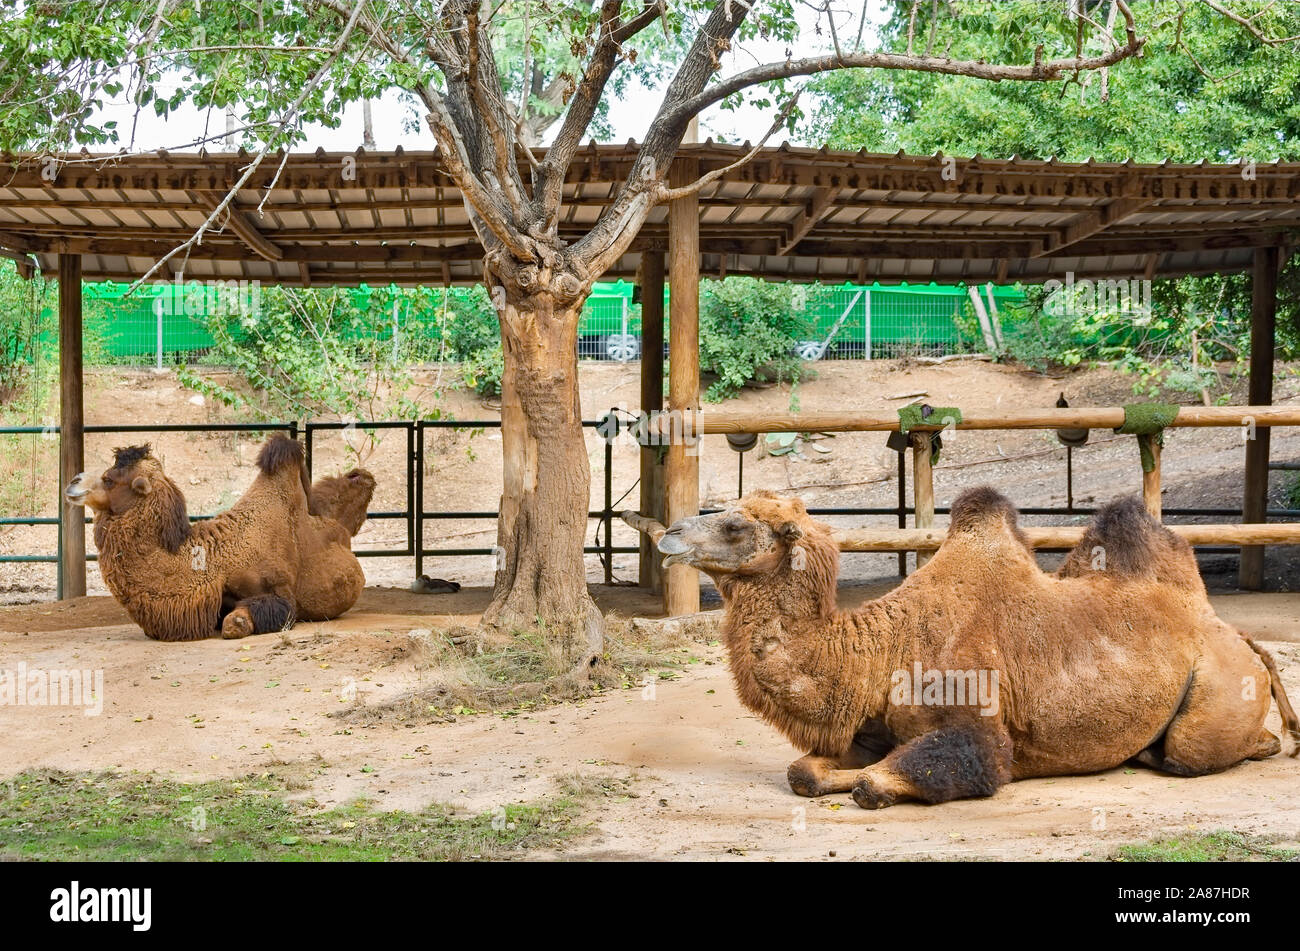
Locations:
column 790, row 532
column 141, row 485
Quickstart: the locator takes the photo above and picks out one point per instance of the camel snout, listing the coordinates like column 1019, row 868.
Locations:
column 674, row 546
column 77, row 489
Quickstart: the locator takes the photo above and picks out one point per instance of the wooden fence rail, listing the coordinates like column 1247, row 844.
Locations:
column 924, row 539
column 1057, row 537
column 708, row 422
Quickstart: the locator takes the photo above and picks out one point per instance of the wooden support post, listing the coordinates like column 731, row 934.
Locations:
column 1151, row 480
column 651, row 281
column 682, row 471
column 922, row 487
column 1263, row 318
column 72, row 448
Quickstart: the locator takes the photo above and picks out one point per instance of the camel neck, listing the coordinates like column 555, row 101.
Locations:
column 785, row 593
column 157, row 522
column 818, row 674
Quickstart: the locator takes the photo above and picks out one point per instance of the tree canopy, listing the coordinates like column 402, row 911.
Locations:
column 1204, row 87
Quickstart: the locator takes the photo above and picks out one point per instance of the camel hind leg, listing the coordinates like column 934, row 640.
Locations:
column 258, row 615
column 1290, row 722
column 1221, row 720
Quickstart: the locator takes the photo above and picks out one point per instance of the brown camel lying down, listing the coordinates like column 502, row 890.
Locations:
column 981, row 668
column 257, row 567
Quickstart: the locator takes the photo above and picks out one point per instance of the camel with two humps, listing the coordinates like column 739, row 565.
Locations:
column 281, row 553
column 1108, row 660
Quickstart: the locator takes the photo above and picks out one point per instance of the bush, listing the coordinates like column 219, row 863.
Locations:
column 749, row 329
column 311, row 353
column 28, row 335
column 482, row 372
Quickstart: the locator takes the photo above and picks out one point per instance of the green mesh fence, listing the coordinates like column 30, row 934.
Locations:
column 167, row 324
column 857, row 322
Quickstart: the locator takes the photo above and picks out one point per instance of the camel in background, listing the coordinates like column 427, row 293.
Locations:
column 257, row 567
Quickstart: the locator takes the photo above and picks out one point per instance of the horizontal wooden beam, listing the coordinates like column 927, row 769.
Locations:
column 706, row 422
column 1049, row 537
column 1066, row 537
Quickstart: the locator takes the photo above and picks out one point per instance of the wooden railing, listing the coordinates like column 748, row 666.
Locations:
column 923, row 538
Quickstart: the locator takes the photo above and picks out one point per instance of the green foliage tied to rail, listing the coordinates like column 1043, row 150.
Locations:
column 1148, row 421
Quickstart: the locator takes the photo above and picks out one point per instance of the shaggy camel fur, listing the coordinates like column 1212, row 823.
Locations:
column 343, row 498
column 254, row 568
column 980, row 668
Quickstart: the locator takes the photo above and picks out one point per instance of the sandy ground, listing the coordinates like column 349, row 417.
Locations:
column 708, row 779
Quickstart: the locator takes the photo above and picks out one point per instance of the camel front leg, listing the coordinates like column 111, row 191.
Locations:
column 814, row 775
column 958, row 762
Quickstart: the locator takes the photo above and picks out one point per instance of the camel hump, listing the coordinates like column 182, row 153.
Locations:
column 277, row 452
column 1131, row 544
column 982, row 507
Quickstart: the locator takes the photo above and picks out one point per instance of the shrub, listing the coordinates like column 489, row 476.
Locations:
column 748, row 331
column 313, row 353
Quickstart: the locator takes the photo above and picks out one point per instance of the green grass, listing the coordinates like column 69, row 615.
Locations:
column 1292, row 497
column 1221, row 846
column 50, row 815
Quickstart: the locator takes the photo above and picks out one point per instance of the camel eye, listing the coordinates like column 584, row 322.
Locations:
column 106, row 481
column 734, row 527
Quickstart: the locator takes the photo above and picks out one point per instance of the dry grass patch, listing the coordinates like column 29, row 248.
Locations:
column 467, row 671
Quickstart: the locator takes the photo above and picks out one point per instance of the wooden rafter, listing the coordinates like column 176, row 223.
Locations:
column 791, row 213
column 1090, row 223
column 822, row 201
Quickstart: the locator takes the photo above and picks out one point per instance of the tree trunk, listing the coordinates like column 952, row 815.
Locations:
column 541, row 576
column 367, row 127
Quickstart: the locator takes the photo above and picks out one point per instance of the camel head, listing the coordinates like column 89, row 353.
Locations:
column 134, row 478
column 130, row 479
column 755, row 536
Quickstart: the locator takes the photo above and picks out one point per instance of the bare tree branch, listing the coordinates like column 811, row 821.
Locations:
column 586, row 100
column 1250, row 27
column 289, row 116
column 672, row 194
column 618, row 225
column 491, row 221
column 1046, row 71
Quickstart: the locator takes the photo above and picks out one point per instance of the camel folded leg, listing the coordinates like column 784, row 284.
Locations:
column 814, row 775
column 958, row 762
column 258, row 615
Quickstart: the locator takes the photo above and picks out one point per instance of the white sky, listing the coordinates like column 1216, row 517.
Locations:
column 391, row 116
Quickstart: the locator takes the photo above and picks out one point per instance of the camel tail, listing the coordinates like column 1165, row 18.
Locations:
column 1290, row 722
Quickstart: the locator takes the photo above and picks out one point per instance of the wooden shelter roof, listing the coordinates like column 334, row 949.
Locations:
column 789, row 214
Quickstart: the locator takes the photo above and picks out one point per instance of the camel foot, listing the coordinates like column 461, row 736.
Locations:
column 238, row 623
column 869, row 795
column 802, row 783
